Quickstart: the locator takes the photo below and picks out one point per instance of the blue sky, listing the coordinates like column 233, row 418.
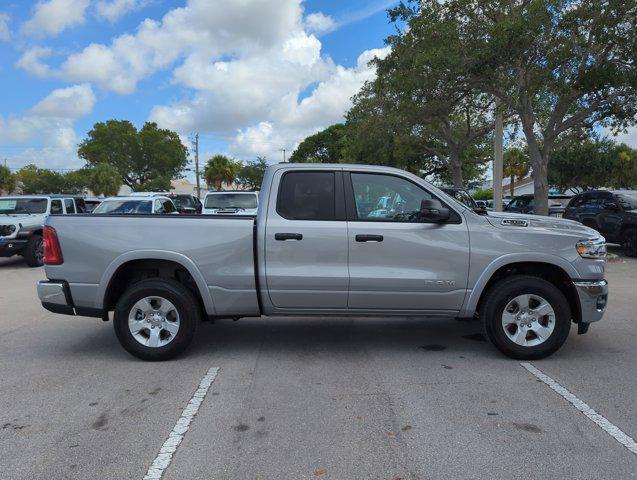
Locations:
column 252, row 76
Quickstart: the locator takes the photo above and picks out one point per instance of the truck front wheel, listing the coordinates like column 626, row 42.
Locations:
column 156, row 319
column 526, row 317
column 34, row 251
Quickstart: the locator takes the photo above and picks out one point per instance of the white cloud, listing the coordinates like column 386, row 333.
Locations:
column 72, row 102
column 31, row 61
column 319, row 23
column 293, row 120
column 5, row 33
column 51, row 17
column 113, row 10
column 629, row 137
column 231, row 28
column 50, row 125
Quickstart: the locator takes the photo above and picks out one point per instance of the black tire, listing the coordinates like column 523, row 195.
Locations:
column 629, row 241
column 34, row 252
column 185, row 303
column 504, row 291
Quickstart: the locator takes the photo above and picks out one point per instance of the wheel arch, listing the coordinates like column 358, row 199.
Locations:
column 555, row 270
column 120, row 272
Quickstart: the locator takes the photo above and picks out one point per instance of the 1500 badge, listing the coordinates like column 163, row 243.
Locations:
column 440, row 283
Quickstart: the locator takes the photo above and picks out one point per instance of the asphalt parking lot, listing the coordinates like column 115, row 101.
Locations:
column 295, row 398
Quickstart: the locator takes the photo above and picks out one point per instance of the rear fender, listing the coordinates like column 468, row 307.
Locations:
column 182, row 260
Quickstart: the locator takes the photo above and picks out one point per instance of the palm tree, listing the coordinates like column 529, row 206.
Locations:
column 219, row 170
column 516, row 164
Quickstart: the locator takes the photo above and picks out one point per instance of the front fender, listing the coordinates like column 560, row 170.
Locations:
column 179, row 258
column 472, row 299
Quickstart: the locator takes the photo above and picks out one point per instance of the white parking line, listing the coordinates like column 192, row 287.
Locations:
column 601, row 421
column 168, row 449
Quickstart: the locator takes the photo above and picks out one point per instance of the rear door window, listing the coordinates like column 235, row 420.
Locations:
column 69, row 205
column 307, row 196
column 56, row 207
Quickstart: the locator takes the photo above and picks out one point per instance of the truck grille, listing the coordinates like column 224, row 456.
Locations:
column 4, row 230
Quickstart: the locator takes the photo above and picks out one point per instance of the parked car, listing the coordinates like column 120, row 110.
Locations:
column 612, row 213
column 461, row 195
column 482, row 204
column 309, row 250
column 135, row 205
column 231, row 203
column 185, row 203
column 22, row 218
column 91, row 203
column 525, row 204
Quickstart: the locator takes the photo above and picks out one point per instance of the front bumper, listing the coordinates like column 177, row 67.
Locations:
column 56, row 297
column 11, row 246
column 593, row 298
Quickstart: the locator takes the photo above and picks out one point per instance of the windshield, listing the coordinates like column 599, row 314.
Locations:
column 13, row 206
column 124, row 207
column 628, row 202
column 463, row 197
column 520, row 202
column 231, row 200
column 182, row 201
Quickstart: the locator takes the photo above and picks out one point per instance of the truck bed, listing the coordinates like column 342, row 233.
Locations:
column 217, row 251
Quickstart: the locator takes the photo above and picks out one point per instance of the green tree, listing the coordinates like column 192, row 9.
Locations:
column 75, row 182
column 583, row 164
column 624, row 174
column 560, row 66
column 405, row 118
column 147, row 159
column 104, row 180
column 219, row 170
column 34, row 180
column 325, row 146
column 516, row 165
column 7, row 180
column 486, row 194
column 250, row 175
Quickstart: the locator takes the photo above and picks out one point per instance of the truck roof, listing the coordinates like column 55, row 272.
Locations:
column 44, row 195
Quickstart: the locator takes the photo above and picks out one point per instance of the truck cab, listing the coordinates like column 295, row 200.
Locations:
column 22, row 218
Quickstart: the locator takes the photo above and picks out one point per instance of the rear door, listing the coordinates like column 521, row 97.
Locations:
column 396, row 261
column 306, row 241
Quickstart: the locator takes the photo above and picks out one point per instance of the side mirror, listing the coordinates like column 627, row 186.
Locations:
column 433, row 211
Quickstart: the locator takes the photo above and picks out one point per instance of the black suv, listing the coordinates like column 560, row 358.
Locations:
column 525, row 204
column 611, row 213
column 186, row 204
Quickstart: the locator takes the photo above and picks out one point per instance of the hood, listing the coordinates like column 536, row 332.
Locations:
column 521, row 221
column 21, row 218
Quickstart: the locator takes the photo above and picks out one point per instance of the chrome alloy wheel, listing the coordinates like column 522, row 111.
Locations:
column 528, row 320
column 153, row 321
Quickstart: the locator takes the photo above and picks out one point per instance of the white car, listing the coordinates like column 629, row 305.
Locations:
column 22, row 219
column 231, row 203
column 135, row 205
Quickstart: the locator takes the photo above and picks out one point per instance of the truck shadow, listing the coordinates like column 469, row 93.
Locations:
column 16, row 262
column 302, row 336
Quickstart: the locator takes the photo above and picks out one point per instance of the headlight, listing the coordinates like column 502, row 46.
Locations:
column 11, row 229
column 591, row 248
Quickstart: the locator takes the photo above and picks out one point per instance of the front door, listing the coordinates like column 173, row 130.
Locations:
column 306, row 242
column 397, row 262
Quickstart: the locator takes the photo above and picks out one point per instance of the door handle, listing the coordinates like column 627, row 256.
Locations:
column 288, row 236
column 369, row 238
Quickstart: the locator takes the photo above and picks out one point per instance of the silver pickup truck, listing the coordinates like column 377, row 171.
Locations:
column 329, row 240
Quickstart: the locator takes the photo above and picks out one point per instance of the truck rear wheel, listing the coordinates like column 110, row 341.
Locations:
column 34, row 251
column 156, row 319
column 629, row 240
column 526, row 317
